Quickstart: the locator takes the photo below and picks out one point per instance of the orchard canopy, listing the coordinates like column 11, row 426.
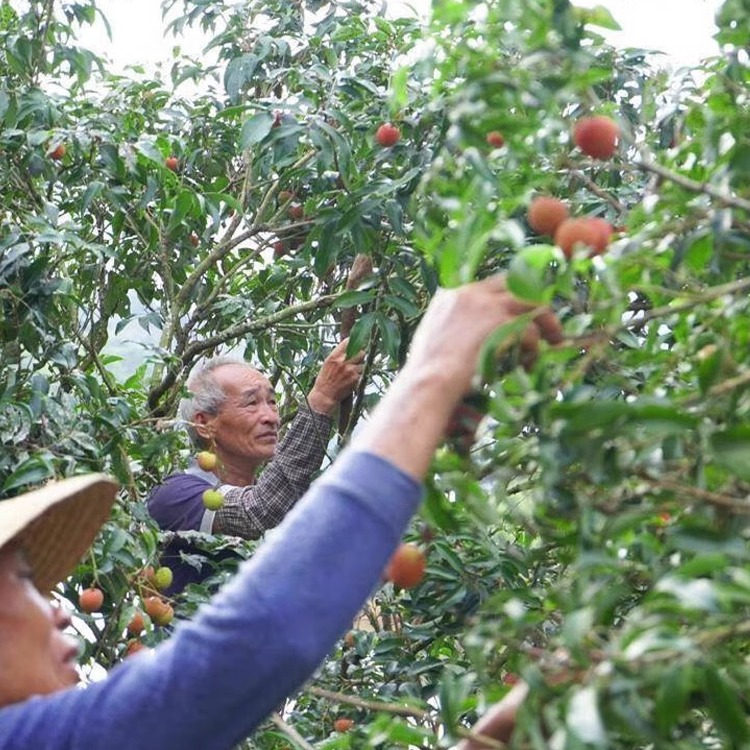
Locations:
column 594, row 538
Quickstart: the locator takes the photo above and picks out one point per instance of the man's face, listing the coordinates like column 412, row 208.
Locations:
column 36, row 658
column 247, row 425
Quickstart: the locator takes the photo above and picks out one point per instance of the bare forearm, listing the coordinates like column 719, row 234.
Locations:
column 409, row 423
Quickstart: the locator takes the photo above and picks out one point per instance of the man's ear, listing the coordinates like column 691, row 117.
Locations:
column 204, row 425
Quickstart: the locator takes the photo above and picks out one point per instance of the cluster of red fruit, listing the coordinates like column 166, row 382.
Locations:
column 597, row 137
column 149, row 582
column 550, row 216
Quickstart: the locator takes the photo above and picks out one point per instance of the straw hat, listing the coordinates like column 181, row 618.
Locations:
column 57, row 523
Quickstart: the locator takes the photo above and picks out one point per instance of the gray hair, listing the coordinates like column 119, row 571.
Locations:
column 206, row 395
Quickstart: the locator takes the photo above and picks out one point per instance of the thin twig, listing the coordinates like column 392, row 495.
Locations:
column 592, row 187
column 291, row 732
column 691, row 185
column 713, row 498
column 352, row 700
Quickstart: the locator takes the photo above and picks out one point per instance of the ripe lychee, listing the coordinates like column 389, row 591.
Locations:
column 596, row 136
column 172, row 162
column 160, row 611
column 134, row 646
column 387, row 135
column 592, row 232
column 343, row 725
column 91, row 600
column 495, row 139
column 57, row 152
column 406, row 567
column 136, row 624
column 546, row 214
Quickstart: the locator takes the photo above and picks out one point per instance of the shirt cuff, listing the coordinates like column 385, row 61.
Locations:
column 305, row 408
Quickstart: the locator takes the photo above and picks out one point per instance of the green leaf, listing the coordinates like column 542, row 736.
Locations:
column 672, row 696
column 32, row 471
column 598, row 16
column 725, row 708
column 359, row 338
column 530, row 273
column 731, row 449
column 583, row 719
column 355, row 297
column 256, row 129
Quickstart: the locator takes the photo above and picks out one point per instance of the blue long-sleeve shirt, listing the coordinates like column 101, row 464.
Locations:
column 256, row 642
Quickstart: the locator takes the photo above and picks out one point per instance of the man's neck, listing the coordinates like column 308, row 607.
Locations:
column 236, row 473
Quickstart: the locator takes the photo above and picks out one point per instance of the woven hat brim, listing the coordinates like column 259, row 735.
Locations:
column 57, row 523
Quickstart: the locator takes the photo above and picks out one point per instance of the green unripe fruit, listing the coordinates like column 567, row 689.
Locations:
column 163, row 578
column 213, row 499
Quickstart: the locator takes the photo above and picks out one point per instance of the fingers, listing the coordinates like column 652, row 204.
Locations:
column 529, row 346
column 499, row 721
column 549, row 326
column 339, row 353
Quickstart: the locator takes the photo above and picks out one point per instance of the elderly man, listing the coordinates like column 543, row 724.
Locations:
column 232, row 412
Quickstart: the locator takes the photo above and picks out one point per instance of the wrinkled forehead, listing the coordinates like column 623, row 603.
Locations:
column 239, row 378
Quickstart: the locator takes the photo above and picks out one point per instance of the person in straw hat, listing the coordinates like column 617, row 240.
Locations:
column 266, row 631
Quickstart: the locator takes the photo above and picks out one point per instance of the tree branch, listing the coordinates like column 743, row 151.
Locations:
column 691, row 185
column 289, row 731
column 195, row 349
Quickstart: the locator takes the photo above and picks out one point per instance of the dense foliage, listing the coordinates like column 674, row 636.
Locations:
column 594, row 539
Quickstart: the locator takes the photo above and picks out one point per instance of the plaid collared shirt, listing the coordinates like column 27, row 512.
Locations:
column 249, row 511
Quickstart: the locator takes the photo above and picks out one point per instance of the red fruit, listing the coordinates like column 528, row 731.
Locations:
column 278, row 249
column 90, row 600
column 194, row 239
column 584, row 231
column 343, row 725
column 134, row 646
column 387, row 135
column 596, row 136
column 160, row 612
column 546, row 214
column 464, row 421
column 58, row 152
column 510, row 678
column 296, row 211
column 148, row 573
column 136, row 624
column 495, row 139
column 172, row 162
column 605, row 232
column 406, row 567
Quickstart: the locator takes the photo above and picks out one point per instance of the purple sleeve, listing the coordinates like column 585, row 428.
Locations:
column 177, row 504
column 256, row 642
